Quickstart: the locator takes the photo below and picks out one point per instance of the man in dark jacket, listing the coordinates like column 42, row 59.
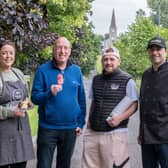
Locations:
column 154, row 107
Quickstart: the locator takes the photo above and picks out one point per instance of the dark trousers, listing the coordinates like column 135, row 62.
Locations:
column 16, row 165
column 154, row 155
column 48, row 140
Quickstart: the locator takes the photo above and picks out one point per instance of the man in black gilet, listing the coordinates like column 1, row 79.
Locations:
column 105, row 140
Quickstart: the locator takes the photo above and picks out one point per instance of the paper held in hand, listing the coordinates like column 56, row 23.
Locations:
column 121, row 107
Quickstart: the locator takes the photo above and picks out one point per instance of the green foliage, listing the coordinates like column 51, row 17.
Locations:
column 66, row 15
column 86, row 49
column 46, row 53
column 25, row 22
column 21, row 57
column 22, row 21
column 133, row 44
column 99, row 64
column 138, row 83
column 153, row 5
column 69, row 18
column 34, row 25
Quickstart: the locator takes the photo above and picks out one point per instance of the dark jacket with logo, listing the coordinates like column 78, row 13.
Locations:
column 154, row 106
column 108, row 90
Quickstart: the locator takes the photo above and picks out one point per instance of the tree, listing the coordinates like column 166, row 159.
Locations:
column 69, row 18
column 25, row 22
column 140, row 13
column 132, row 45
column 86, row 48
column 34, row 24
column 153, row 5
column 67, row 15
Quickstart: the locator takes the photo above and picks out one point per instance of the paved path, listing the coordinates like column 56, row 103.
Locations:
column 134, row 148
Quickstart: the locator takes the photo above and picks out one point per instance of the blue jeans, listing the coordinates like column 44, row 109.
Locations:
column 48, row 140
column 154, row 155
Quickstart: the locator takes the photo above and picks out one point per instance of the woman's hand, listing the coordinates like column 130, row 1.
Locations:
column 19, row 112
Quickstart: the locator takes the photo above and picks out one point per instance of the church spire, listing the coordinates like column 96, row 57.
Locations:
column 112, row 32
column 113, row 28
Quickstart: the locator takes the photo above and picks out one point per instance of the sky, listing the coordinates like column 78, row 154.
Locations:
column 125, row 12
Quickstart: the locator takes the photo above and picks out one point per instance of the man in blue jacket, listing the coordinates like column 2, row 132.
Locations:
column 58, row 90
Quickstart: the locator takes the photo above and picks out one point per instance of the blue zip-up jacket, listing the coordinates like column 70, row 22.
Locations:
column 65, row 110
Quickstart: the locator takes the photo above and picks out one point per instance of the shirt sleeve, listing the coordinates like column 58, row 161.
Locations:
column 91, row 91
column 39, row 95
column 131, row 90
column 5, row 113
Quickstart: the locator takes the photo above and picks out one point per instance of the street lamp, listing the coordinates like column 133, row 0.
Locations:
column 159, row 17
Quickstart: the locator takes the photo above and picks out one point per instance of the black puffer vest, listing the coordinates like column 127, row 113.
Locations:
column 154, row 106
column 108, row 90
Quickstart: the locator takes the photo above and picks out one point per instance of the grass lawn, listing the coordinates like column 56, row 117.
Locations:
column 33, row 118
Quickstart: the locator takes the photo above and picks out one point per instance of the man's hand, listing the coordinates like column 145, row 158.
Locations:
column 78, row 131
column 139, row 140
column 114, row 121
column 55, row 89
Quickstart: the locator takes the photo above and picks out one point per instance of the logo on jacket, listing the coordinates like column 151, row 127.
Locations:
column 18, row 94
column 115, row 86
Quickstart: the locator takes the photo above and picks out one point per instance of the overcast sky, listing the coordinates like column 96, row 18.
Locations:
column 125, row 12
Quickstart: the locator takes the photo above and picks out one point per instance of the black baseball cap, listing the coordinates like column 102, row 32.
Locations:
column 156, row 41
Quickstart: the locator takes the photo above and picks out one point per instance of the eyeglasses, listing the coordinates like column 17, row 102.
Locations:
column 62, row 48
